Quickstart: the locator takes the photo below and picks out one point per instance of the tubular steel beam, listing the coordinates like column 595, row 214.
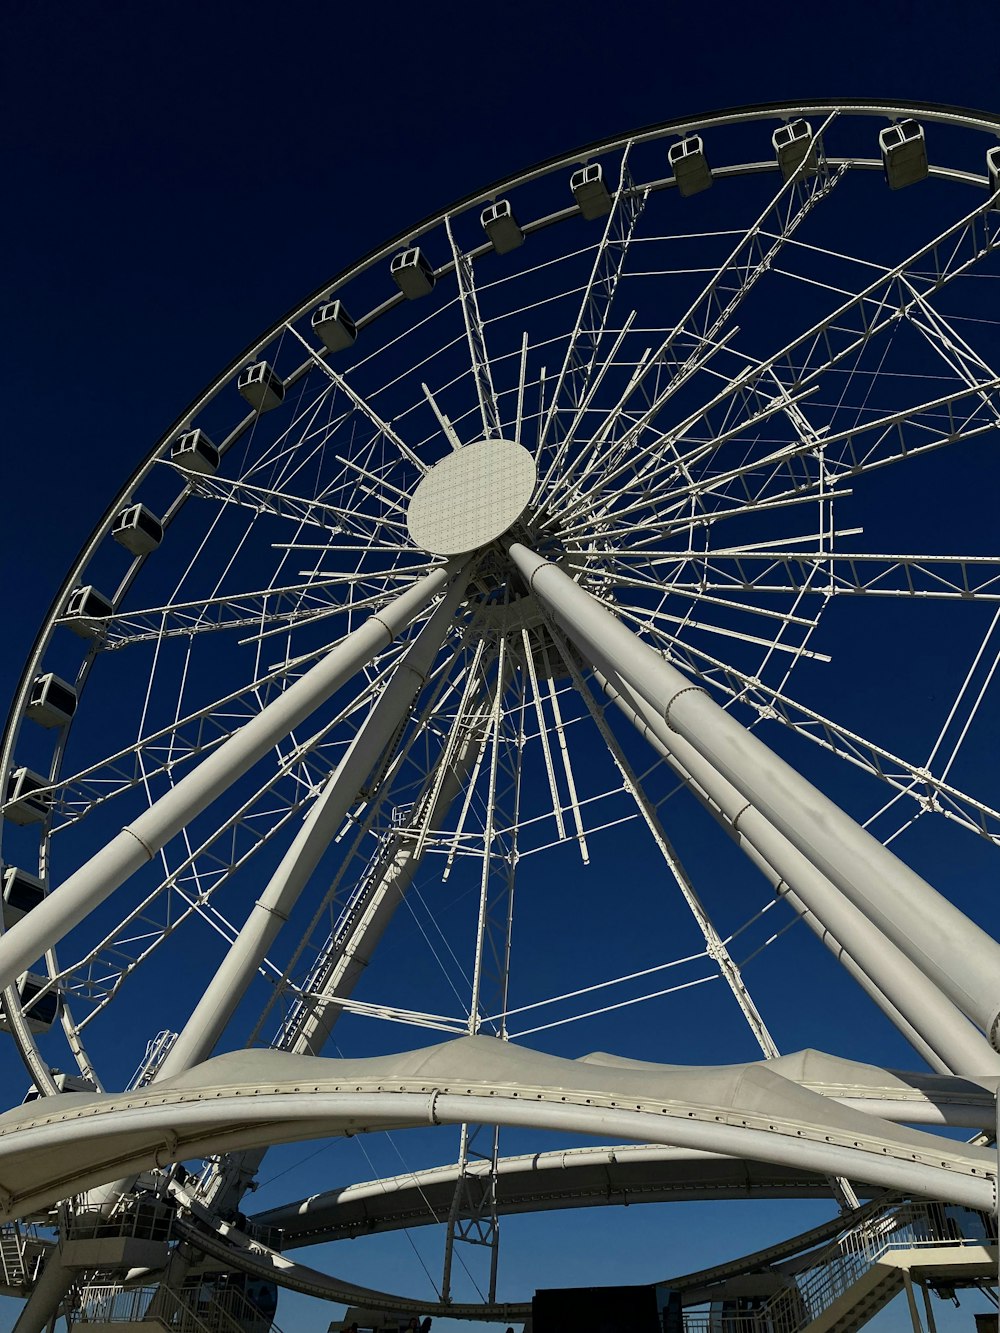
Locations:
column 139, row 841
column 926, row 1018
column 948, row 948
column 224, row 992
column 768, row 1120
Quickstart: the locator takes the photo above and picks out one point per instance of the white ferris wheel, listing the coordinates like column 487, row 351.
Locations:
column 631, row 508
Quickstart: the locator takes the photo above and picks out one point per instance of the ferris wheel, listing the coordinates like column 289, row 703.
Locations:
column 645, row 496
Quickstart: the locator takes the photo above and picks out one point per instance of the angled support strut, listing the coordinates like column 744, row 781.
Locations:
column 139, row 841
column 959, row 958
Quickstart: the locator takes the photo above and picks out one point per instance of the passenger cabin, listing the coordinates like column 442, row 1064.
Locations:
column 904, row 154
column 690, row 166
column 86, row 612
column 64, row 1083
column 52, row 701
column 40, row 1016
column 21, row 894
column 138, row 530
column 993, row 171
column 195, row 452
column 793, row 144
column 412, row 274
column 501, row 226
column 334, row 327
column 22, row 805
column 590, row 191
column 261, row 386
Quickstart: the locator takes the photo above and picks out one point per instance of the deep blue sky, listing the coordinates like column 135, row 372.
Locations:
column 177, row 176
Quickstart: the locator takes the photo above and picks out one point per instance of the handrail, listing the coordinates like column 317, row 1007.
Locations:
column 838, row 1266
column 187, row 1311
column 142, row 1219
column 345, row 920
column 133, row 1305
column 241, row 1313
column 22, row 1252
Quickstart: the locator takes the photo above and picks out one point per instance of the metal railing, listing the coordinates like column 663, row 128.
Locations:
column 271, row 1237
column 156, row 1052
column 117, row 1305
column 142, row 1219
column 346, row 917
column 197, row 1310
column 836, row 1268
column 241, row 1313
column 22, row 1254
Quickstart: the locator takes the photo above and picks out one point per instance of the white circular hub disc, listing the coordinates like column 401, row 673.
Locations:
column 471, row 497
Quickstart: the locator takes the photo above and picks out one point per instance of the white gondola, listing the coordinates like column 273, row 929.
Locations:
column 501, row 226
column 138, row 530
column 412, row 274
column 52, row 701
column 64, row 1083
column 690, row 166
column 21, row 894
column 195, row 452
column 793, row 144
column 334, row 326
column 993, row 171
column 261, row 386
column 904, row 153
column 590, row 191
column 40, row 1016
column 22, row 805
column 86, row 611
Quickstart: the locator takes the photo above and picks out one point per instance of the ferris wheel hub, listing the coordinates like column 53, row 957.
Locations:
column 472, row 497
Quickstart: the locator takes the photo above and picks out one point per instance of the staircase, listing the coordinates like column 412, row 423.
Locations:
column 301, row 1008
column 156, row 1052
column 139, row 1240
column 862, row 1300
column 22, row 1252
column 838, row 1288
column 113, row 1309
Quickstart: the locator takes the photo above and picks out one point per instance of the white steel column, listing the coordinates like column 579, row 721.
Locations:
column 139, row 841
column 352, row 946
column 394, row 876
column 928, row 1014
column 48, row 1294
column 472, row 1217
column 943, row 943
column 227, row 988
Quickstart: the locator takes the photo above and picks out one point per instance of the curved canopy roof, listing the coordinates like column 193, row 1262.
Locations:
column 59, row 1146
column 634, row 1173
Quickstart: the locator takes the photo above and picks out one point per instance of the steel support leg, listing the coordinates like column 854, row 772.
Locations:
column 946, row 1038
column 390, row 710
column 96, row 880
column 928, row 1309
column 353, row 946
column 49, row 1293
column 945, row 945
column 396, row 873
column 642, row 716
column 139, row 841
column 911, row 1302
column 472, row 1217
